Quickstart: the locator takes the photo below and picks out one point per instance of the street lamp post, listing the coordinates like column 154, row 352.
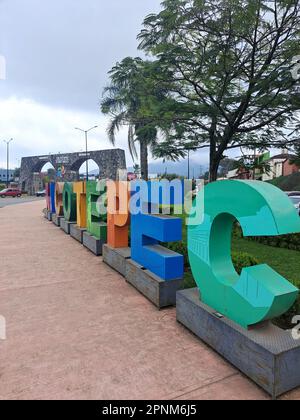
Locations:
column 7, row 160
column 86, row 147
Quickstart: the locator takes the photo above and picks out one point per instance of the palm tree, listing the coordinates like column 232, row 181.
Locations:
column 136, row 169
column 125, row 101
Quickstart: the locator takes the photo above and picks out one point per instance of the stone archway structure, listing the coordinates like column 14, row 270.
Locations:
column 109, row 162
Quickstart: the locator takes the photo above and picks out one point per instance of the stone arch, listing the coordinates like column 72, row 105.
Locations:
column 108, row 161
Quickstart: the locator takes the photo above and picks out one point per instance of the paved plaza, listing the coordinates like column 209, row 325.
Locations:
column 77, row 330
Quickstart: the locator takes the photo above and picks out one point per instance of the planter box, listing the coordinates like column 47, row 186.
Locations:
column 116, row 258
column 56, row 219
column 65, row 225
column 160, row 292
column 265, row 353
column 77, row 233
column 93, row 244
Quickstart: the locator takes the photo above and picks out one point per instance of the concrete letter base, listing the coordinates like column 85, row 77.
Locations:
column 77, row 233
column 266, row 354
column 92, row 243
column 65, row 225
column 47, row 215
column 116, row 258
column 160, row 292
column 56, row 219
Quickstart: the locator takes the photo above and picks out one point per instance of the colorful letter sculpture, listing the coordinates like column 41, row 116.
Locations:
column 59, row 188
column 118, row 218
column 146, row 233
column 79, row 189
column 48, row 197
column 52, row 197
column 69, row 202
column 96, row 222
column 261, row 209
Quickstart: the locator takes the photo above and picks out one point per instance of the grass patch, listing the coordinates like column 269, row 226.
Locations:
column 286, row 262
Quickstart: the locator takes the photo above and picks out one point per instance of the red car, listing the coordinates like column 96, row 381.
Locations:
column 10, row 192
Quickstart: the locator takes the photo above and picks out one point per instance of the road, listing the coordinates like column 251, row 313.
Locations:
column 13, row 201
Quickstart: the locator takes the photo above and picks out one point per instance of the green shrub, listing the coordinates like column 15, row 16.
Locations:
column 283, row 241
column 180, row 248
column 243, row 259
column 288, row 183
column 2, row 187
column 240, row 259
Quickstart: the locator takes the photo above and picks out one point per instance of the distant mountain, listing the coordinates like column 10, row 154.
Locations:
column 180, row 168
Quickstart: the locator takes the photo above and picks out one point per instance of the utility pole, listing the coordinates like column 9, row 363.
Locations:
column 7, row 160
column 86, row 148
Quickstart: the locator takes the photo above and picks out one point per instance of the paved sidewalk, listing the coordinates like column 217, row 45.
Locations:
column 77, row 330
column 10, row 201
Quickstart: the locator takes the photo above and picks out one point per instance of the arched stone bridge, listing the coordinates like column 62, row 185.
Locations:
column 109, row 162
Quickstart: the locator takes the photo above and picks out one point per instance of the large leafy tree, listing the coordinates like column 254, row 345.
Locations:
column 228, row 65
column 127, row 99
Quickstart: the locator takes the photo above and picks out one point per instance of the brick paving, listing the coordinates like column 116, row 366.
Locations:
column 77, row 330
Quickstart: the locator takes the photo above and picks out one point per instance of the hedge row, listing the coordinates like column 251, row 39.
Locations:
column 283, row 241
column 240, row 259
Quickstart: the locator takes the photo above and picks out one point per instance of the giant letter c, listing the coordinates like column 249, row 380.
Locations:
column 259, row 293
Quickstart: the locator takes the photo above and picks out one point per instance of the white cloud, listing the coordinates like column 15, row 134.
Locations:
column 39, row 129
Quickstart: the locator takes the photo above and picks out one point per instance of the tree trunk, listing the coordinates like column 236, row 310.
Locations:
column 213, row 161
column 144, row 160
column 213, row 170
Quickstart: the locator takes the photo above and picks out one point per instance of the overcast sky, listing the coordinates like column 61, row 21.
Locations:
column 58, row 53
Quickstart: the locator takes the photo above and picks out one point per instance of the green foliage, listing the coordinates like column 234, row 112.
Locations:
column 284, row 241
column 242, row 260
column 288, row 183
column 127, row 100
column 2, row 187
column 181, row 248
column 170, row 177
column 285, row 261
column 226, row 65
column 291, row 241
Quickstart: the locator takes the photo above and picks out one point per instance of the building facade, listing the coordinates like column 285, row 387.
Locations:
column 280, row 165
column 3, row 176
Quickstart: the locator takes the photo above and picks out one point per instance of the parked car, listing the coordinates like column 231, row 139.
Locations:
column 10, row 192
column 293, row 193
column 296, row 201
column 41, row 193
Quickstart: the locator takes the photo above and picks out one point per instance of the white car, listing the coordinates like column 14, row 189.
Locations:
column 295, row 199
